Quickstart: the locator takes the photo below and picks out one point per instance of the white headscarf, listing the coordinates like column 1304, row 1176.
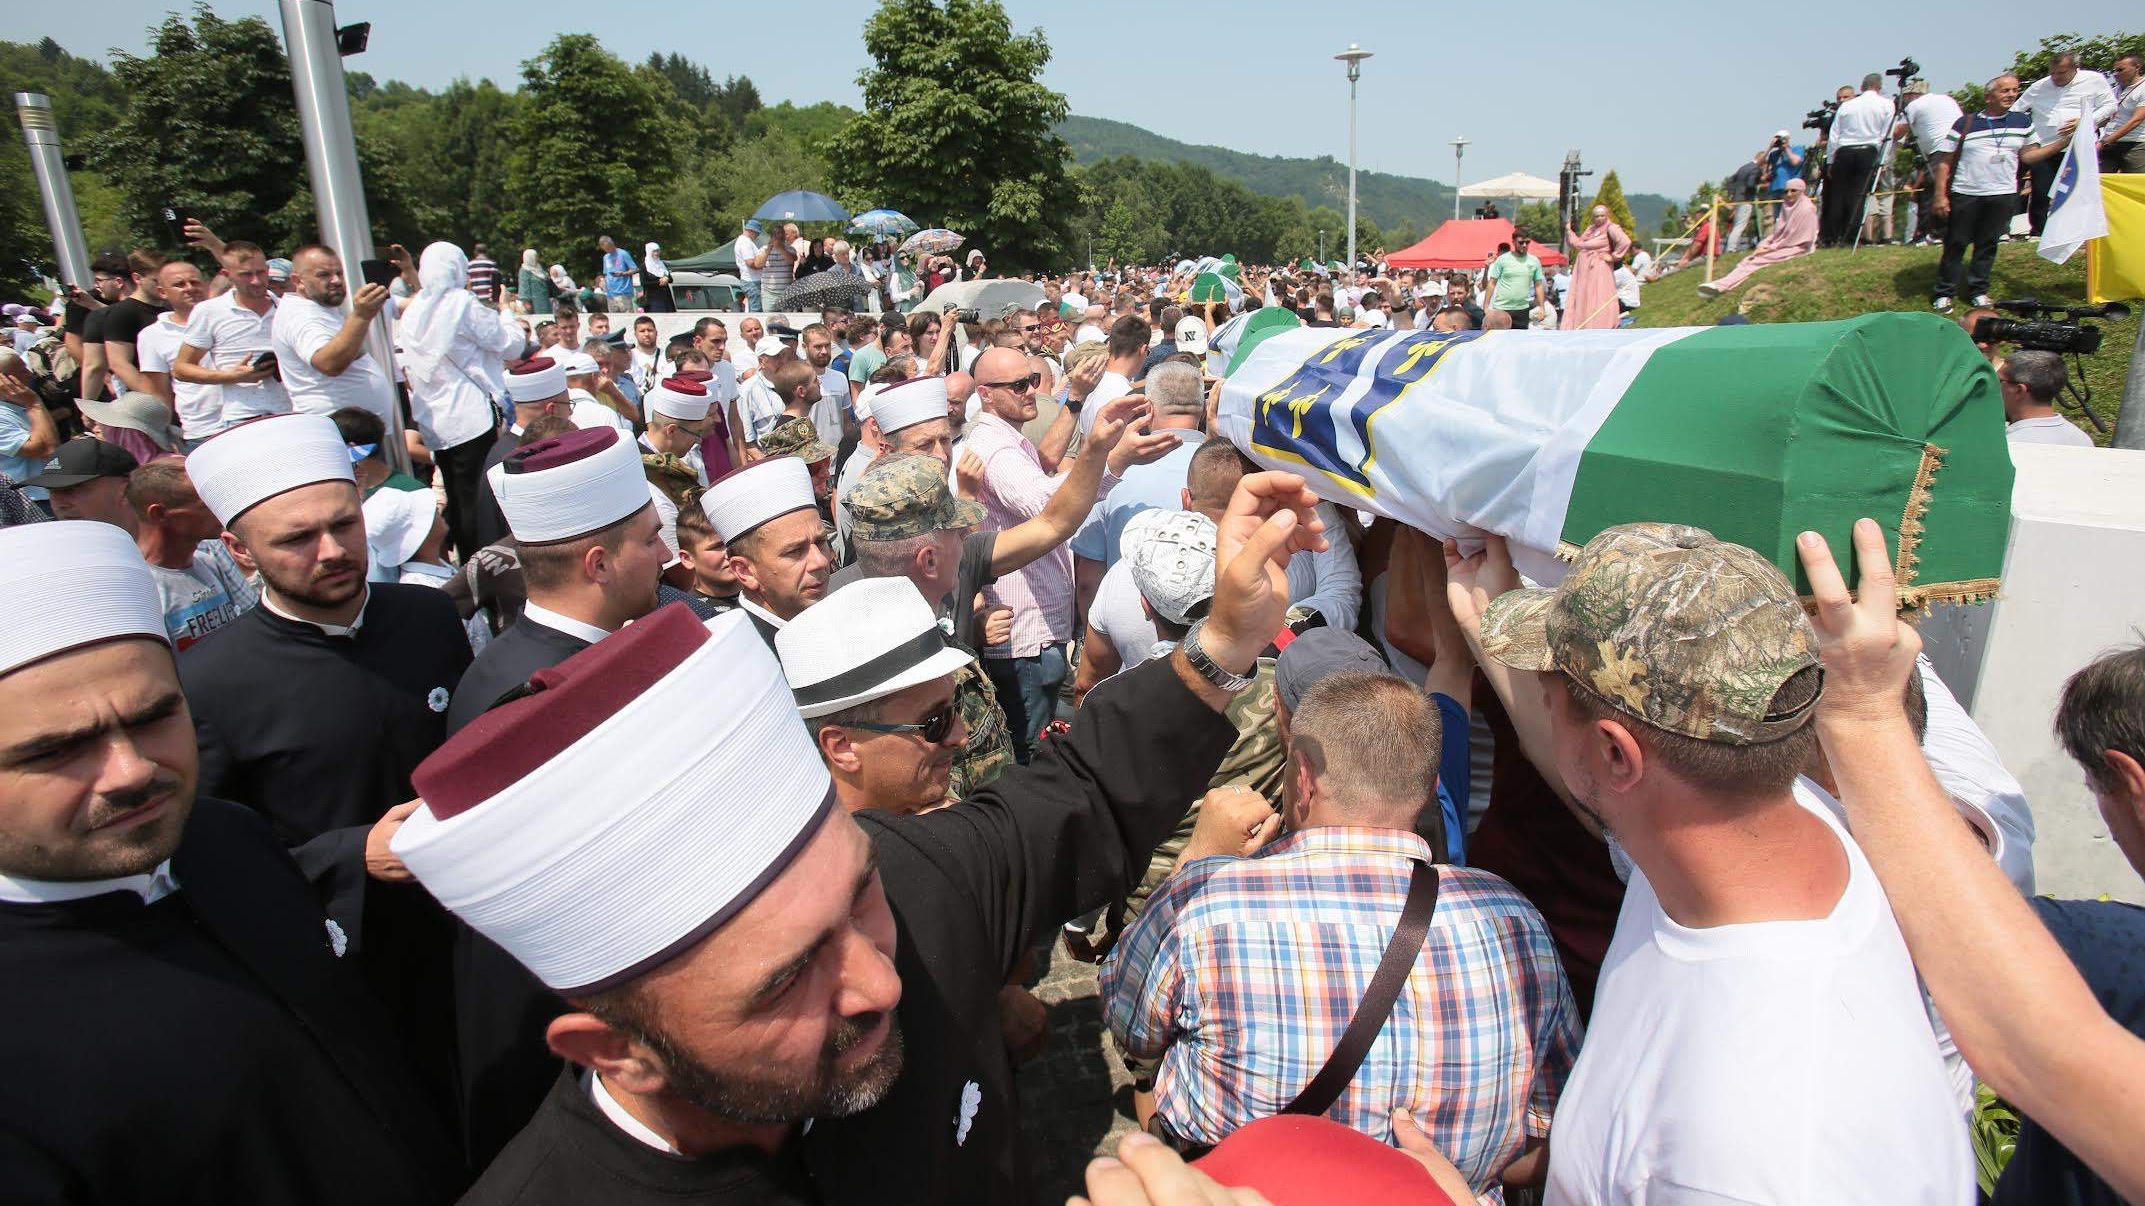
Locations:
column 432, row 318
column 652, row 260
column 561, row 281
column 529, row 262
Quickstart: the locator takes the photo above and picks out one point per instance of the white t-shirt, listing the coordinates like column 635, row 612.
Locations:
column 300, row 328
column 1114, row 385
column 1117, row 614
column 232, row 335
column 2047, row 429
column 1863, row 121
column 200, row 407
column 1641, row 260
column 1627, row 287
column 833, row 401
column 589, row 413
column 204, row 596
column 744, row 249
column 1783, row 1062
column 1931, row 117
column 2126, row 104
column 758, row 408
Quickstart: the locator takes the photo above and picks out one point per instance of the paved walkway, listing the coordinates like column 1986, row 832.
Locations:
column 1076, row 1098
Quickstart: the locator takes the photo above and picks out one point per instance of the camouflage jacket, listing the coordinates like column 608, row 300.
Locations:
column 990, row 746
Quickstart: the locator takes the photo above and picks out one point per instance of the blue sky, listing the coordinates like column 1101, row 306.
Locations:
column 1675, row 93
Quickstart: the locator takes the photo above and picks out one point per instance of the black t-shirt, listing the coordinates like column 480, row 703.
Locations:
column 77, row 317
column 126, row 318
column 958, row 610
column 2102, row 938
column 92, row 325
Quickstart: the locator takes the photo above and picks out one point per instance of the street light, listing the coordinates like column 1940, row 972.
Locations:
column 1459, row 148
column 1353, row 56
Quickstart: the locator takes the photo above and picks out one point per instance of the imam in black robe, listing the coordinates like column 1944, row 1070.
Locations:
column 491, row 521
column 208, row 1048
column 523, row 649
column 972, row 888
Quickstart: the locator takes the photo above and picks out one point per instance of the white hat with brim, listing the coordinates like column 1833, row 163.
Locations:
column 135, row 411
column 397, row 522
column 866, row 641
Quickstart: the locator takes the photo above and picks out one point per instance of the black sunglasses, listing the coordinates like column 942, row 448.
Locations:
column 1019, row 385
column 932, row 728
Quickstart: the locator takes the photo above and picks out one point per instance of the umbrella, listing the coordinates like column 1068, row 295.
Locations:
column 800, row 206
column 882, row 224
column 935, row 241
column 989, row 299
column 834, row 287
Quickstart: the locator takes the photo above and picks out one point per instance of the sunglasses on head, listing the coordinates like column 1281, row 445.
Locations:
column 932, row 728
column 1019, row 385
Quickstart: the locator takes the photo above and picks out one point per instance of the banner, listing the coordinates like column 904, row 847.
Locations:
column 2074, row 209
column 2115, row 265
column 1754, row 433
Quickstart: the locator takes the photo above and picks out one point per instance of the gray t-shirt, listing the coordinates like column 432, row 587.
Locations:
column 204, row 596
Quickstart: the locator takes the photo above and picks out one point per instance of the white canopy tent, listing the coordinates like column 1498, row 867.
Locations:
column 1517, row 184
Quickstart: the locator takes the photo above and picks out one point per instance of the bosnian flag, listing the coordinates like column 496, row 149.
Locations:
column 1754, row 433
column 2075, row 212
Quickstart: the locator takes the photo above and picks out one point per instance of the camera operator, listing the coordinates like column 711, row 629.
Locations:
column 1859, row 130
column 2066, row 96
column 1929, row 116
column 1783, row 162
column 1977, row 189
column 2031, row 381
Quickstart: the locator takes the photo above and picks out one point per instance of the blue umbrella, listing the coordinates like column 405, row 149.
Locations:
column 800, row 206
column 882, row 224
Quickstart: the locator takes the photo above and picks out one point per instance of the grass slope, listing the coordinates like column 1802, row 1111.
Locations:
column 1828, row 285
column 1385, row 199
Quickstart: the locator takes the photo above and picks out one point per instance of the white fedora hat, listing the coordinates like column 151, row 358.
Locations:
column 864, row 642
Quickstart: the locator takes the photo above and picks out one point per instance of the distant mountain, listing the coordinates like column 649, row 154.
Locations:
column 1384, row 199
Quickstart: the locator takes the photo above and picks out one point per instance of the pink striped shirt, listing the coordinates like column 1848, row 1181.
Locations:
column 1015, row 490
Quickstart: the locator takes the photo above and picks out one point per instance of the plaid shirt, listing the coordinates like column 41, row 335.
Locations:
column 1242, row 974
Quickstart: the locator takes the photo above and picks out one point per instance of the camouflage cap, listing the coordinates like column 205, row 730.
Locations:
column 905, row 494
column 1687, row 633
column 794, row 436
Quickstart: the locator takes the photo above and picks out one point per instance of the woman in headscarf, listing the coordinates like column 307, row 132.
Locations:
column 1795, row 234
column 1591, row 305
column 453, row 351
column 533, row 287
column 562, row 284
column 655, row 281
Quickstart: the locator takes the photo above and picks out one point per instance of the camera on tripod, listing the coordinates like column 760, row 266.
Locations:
column 2049, row 327
column 1905, row 72
column 1820, row 118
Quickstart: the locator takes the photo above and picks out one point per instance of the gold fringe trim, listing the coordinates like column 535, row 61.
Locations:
column 1910, row 522
column 1973, row 590
column 1567, row 551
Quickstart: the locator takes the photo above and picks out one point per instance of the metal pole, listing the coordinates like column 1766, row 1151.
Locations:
column 1351, row 167
column 42, row 134
column 1459, row 148
column 316, row 77
column 2130, row 420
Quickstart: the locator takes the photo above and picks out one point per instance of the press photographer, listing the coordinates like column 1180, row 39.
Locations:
column 1860, row 131
column 2034, row 378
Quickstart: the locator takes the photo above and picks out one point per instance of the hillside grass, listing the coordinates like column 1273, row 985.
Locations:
column 1828, row 285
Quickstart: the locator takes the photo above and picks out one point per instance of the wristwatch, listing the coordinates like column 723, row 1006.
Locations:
column 1066, row 400
column 1206, row 667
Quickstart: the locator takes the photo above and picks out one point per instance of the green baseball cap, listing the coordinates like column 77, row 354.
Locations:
column 794, row 436
column 1687, row 633
column 905, row 494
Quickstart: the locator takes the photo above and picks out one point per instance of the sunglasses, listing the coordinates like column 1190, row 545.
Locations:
column 1031, row 328
column 933, row 728
column 1020, row 385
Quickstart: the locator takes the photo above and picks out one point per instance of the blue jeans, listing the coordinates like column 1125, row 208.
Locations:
column 1028, row 691
column 752, row 296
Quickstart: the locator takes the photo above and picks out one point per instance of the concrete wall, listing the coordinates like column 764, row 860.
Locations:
column 2074, row 588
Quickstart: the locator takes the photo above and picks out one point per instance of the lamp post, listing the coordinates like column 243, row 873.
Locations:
column 1353, row 56
column 1459, row 148
column 41, row 133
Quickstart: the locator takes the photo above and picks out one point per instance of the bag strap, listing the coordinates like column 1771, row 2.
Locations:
column 1377, row 1004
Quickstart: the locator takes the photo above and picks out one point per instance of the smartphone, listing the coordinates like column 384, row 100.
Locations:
column 267, row 360
column 175, row 220
column 378, row 272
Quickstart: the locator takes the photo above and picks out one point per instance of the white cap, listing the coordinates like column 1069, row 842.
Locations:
column 907, row 403
column 256, row 461
column 569, row 485
column 536, row 380
column 1191, row 335
column 769, row 345
column 1172, row 555
column 741, row 500
column 548, row 829
column 677, row 398
column 576, row 362
column 70, row 583
column 396, row 523
column 867, row 640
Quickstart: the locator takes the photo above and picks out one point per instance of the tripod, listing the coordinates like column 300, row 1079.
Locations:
column 1884, row 160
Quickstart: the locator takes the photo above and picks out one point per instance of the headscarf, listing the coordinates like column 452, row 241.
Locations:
column 529, row 262
column 431, row 320
column 652, row 260
column 560, row 281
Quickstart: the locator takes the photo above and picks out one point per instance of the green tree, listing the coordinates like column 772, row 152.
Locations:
column 957, row 129
column 447, row 152
column 724, row 189
column 1539, row 221
column 1612, row 195
column 596, row 150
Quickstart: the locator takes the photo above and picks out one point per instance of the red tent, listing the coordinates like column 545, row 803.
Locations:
column 1466, row 244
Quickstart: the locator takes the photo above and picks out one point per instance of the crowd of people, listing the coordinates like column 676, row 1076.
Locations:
column 652, row 770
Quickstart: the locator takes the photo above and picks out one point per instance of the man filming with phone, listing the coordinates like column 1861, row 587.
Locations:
column 321, row 351
column 229, row 345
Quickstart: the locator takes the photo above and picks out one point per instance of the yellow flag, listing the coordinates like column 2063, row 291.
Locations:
column 2115, row 265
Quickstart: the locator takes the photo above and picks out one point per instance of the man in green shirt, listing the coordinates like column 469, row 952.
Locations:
column 865, row 352
column 1516, row 281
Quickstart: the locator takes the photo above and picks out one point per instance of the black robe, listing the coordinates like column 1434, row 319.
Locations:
column 208, row 1048
column 973, row 887
column 491, row 521
column 523, row 649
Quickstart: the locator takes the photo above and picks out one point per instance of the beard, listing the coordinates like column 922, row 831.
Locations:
column 107, row 855
column 310, row 591
column 763, row 1099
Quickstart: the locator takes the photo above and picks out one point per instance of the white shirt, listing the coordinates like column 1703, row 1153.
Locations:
column 1780, row 1062
column 1641, row 260
column 1114, row 385
column 1088, row 332
column 745, row 249
column 151, row 886
column 536, row 613
column 1627, row 287
column 300, row 328
column 2087, row 99
column 624, row 1121
column 1330, row 583
column 758, row 408
column 232, row 335
column 1863, row 121
column 2125, row 106
column 833, row 401
column 589, row 413
column 200, row 407
column 1931, row 117
column 454, row 405
column 2047, row 429
column 1117, row 614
